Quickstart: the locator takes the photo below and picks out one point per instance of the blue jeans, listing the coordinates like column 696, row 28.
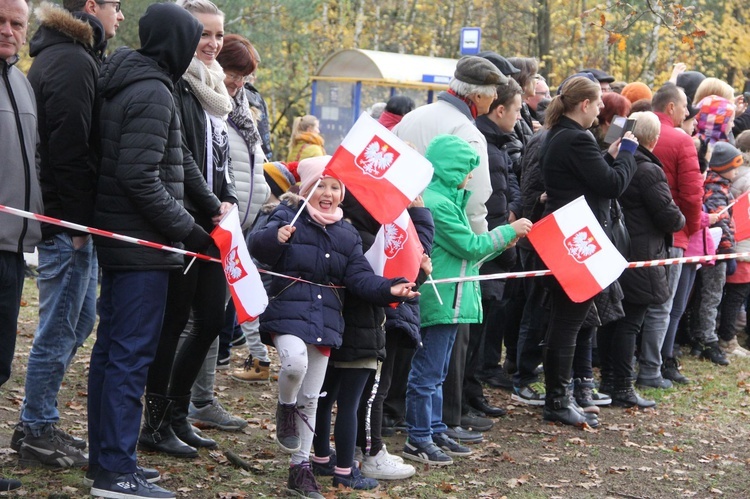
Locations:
column 67, row 312
column 424, row 391
column 11, row 286
column 131, row 312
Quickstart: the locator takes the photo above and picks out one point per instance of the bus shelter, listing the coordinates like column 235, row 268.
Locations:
column 351, row 80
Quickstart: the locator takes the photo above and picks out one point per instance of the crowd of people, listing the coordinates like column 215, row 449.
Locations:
column 159, row 143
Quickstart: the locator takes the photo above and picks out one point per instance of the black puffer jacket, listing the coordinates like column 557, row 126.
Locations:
column 651, row 217
column 364, row 332
column 140, row 186
column 505, row 197
column 67, row 50
column 322, row 255
column 532, row 183
column 405, row 317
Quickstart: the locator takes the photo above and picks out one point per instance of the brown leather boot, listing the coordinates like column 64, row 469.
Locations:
column 254, row 371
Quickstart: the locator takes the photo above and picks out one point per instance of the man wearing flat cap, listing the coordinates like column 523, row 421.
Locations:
column 603, row 78
column 471, row 93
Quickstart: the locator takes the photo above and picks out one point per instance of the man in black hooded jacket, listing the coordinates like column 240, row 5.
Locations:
column 140, row 189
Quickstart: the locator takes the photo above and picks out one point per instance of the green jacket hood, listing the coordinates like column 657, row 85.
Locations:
column 452, row 158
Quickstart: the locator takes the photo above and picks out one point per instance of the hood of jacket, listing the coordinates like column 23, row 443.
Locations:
column 169, row 36
column 58, row 25
column 452, row 158
column 125, row 67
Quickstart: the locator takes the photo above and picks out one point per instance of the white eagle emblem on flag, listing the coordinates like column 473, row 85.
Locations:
column 376, row 158
column 582, row 245
column 233, row 267
column 395, row 239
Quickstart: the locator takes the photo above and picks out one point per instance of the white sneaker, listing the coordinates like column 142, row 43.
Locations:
column 384, row 466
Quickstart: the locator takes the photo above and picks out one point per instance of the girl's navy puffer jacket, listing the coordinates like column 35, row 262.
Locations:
column 330, row 255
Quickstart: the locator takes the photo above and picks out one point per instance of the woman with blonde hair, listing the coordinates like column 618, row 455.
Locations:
column 203, row 104
column 306, row 141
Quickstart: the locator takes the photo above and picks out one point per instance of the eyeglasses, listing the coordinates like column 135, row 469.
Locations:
column 237, row 78
column 117, row 5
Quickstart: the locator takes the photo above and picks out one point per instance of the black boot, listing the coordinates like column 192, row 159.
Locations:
column 624, row 395
column 182, row 427
column 559, row 405
column 157, row 434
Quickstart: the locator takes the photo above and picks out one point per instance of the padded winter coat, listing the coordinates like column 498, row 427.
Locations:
column 456, row 249
column 651, row 217
column 250, row 184
column 329, row 255
column 140, row 187
column 676, row 151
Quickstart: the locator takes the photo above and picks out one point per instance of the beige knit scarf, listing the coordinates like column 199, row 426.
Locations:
column 207, row 83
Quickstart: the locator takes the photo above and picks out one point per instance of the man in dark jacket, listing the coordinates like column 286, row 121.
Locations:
column 20, row 187
column 139, row 193
column 503, row 207
column 67, row 49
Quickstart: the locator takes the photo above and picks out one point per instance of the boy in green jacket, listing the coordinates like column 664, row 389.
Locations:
column 455, row 253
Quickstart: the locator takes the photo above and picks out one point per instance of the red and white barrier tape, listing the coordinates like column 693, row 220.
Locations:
column 134, row 240
column 631, row 265
column 488, row 277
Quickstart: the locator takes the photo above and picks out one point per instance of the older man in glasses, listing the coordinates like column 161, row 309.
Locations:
column 68, row 49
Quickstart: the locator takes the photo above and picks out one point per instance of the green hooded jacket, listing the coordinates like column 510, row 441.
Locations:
column 456, row 248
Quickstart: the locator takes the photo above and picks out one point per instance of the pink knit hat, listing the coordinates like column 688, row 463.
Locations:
column 714, row 120
column 310, row 170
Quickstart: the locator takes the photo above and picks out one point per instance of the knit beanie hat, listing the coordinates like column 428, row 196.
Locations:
column 714, row 120
column 636, row 91
column 278, row 177
column 310, row 170
column 725, row 157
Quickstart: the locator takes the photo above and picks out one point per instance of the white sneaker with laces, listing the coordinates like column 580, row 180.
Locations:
column 384, row 466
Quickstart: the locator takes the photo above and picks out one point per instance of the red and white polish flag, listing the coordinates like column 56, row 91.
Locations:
column 381, row 170
column 396, row 251
column 741, row 216
column 575, row 248
column 248, row 293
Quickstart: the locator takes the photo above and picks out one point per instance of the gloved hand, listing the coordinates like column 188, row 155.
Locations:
column 731, row 266
column 198, row 240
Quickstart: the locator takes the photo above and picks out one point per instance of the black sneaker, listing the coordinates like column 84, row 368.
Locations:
column 50, row 450
column 7, row 484
column 223, row 364
column 286, row 428
column 355, row 480
column 18, row 434
column 127, row 486
column 150, row 474
column 472, row 420
column 713, row 353
column 450, row 446
column 325, row 469
column 302, row 482
column 427, row 452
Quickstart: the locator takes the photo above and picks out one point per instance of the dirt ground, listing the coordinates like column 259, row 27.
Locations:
column 695, row 444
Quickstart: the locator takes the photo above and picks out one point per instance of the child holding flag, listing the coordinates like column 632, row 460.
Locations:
column 455, row 252
column 303, row 319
